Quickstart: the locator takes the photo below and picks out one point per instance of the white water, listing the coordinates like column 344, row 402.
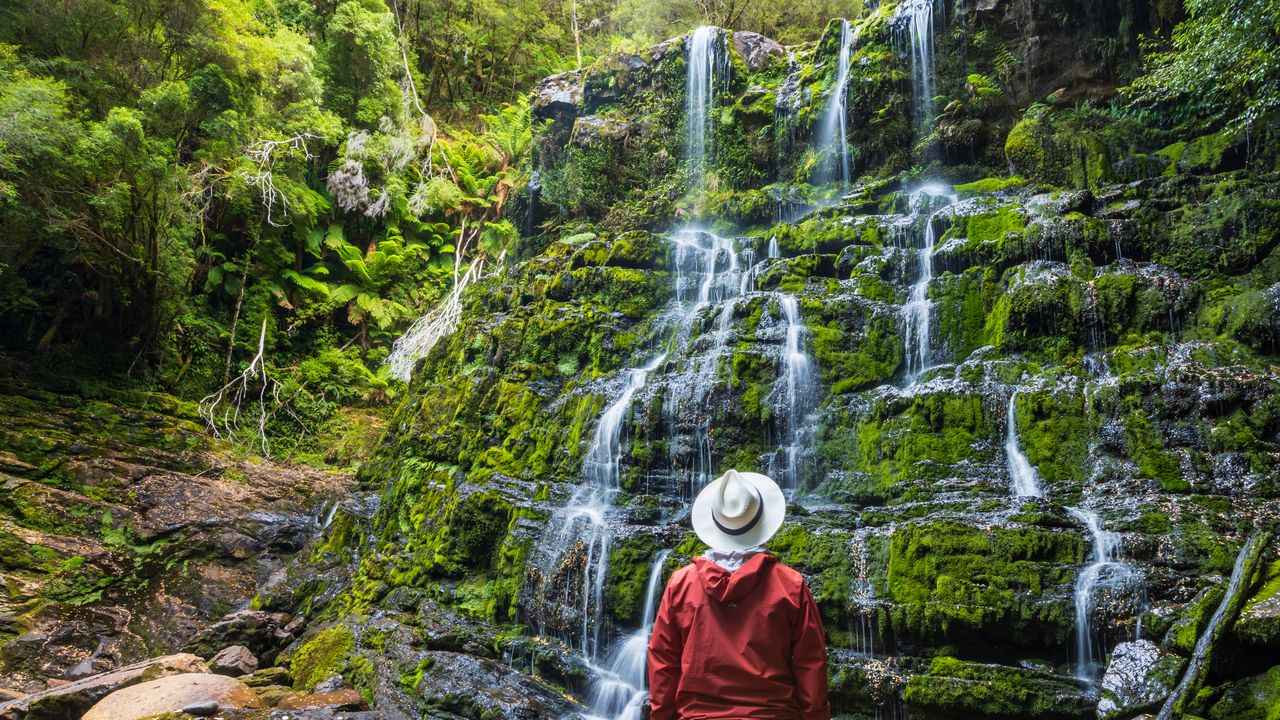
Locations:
column 715, row 264
column 917, row 15
column 706, row 57
column 919, row 310
column 796, row 388
column 584, row 518
column 1022, row 476
column 620, row 690
column 1106, row 572
column 832, row 139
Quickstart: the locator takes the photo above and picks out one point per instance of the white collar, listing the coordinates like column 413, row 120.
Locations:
column 731, row 560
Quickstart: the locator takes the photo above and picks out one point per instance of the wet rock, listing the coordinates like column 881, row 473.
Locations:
column 73, row 698
column 954, row 688
column 477, row 687
column 174, row 693
column 756, row 50
column 1141, row 675
column 346, row 699
column 262, row 633
column 234, row 661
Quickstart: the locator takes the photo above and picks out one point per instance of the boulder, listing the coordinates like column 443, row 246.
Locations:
column 345, row 699
column 756, row 50
column 73, row 698
column 1141, row 675
column 593, row 130
column 172, row 694
column 234, row 660
column 557, row 97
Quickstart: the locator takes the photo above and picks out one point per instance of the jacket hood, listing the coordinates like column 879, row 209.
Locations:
column 726, row 586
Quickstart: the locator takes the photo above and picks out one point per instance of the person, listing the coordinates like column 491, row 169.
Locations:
column 737, row 634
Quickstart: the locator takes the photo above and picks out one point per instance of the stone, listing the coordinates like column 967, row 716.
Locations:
column 345, row 699
column 174, row 693
column 73, row 698
column 234, row 660
column 557, row 97
column 262, row 633
column 268, row 676
column 756, row 50
column 595, row 129
column 1141, row 675
column 204, row 708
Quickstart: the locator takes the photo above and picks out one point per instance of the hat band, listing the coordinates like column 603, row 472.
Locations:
column 745, row 528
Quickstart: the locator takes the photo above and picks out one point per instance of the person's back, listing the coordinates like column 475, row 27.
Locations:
column 743, row 639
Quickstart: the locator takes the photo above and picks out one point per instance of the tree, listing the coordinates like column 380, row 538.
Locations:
column 1224, row 64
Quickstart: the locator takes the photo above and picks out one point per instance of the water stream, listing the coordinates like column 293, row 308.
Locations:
column 832, row 138
column 621, row 690
column 927, row 201
column 916, row 18
column 707, row 58
column 1023, row 478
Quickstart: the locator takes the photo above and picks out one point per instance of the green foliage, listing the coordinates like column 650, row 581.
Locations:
column 1224, row 64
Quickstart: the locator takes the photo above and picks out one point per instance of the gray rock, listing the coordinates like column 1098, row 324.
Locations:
column 235, row 660
column 557, row 96
column 1140, row 676
column 756, row 50
column 204, row 708
column 593, row 129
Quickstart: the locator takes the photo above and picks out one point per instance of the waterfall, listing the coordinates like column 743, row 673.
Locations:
column 584, row 520
column 1115, row 578
column 796, row 387
column 620, row 691
column 832, row 139
column 1022, row 476
column 718, row 267
column 917, row 17
column 918, row 347
column 707, row 58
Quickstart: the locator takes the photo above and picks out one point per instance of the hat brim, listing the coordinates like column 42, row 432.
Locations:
column 773, row 513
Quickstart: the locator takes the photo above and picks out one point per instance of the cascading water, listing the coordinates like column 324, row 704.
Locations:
column 919, row 309
column 1108, row 574
column 832, row 139
column 917, row 18
column 584, row 519
column 796, row 391
column 620, row 691
column 707, row 58
column 1022, row 476
column 716, row 264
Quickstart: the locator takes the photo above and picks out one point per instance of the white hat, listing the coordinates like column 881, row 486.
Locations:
column 738, row 511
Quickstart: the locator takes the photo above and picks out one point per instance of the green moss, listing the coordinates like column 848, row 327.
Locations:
column 1259, row 621
column 990, row 185
column 1254, row 698
column 630, row 561
column 961, row 689
column 1153, row 461
column 954, row 581
column 1023, row 150
column 1054, row 431
column 325, row 654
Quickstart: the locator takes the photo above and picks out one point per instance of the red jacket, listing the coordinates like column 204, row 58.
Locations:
column 746, row 644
